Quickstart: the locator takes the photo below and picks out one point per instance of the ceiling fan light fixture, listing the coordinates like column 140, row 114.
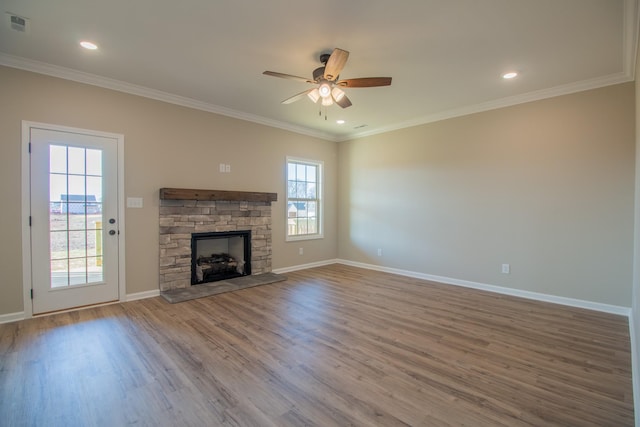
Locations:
column 337, row 93
column 327, row 101
column 314, row 95
column 325, row 90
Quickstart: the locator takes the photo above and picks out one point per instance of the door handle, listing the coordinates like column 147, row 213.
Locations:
column 112, row 232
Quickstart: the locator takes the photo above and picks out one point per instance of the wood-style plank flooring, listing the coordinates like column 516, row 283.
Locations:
column 331, row 346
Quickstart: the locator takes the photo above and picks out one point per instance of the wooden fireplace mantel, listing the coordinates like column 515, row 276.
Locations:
column 233, row 196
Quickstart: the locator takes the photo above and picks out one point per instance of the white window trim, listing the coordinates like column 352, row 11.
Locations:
column 320, row 234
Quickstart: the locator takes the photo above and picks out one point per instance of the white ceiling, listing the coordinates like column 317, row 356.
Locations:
column 446, row 57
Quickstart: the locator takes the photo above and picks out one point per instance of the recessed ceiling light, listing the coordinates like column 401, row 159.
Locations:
column 510, row 75
column 340, row 122
column 88, row 45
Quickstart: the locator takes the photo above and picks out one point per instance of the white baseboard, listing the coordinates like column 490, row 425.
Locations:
column 572, row 302
column 11, row 317
column 635, row 366
column 14, row 317
column 305, row 266
column 142, row 295
column 607, row 308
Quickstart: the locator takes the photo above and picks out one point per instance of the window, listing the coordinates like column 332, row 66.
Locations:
column 304, row 202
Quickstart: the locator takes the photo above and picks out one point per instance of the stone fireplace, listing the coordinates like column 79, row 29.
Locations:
column 185, row 212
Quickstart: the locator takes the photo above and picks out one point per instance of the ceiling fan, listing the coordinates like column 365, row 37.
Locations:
column 329, row 88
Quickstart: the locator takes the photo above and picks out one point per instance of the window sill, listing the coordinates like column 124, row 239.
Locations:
column 304, row 237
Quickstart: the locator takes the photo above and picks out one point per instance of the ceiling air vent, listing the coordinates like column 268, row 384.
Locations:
column 17, row 23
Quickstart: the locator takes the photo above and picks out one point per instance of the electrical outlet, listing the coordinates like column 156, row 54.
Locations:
column 506, row 269
column 300, row 251
column 379, row 251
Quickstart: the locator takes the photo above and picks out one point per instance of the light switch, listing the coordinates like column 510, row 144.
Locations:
column 134, row 202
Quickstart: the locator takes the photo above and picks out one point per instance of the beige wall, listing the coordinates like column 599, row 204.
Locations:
column 547, row 187
column 165, row 146
column 635, row 312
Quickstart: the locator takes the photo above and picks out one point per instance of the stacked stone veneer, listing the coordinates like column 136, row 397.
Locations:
column 180, row 218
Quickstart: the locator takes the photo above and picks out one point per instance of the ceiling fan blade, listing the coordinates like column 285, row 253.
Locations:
column 296, row 97
column 287, row 76
column 335, row 64
column 344, row 102
column 365, row 82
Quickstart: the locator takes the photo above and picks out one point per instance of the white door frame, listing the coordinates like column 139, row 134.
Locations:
column 26, row 208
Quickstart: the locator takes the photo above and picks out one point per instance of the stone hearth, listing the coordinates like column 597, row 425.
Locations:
column 183, row 212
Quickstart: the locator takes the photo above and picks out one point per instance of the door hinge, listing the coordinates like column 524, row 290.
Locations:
column 29, row 147
column 29, row 220
column 31, row 293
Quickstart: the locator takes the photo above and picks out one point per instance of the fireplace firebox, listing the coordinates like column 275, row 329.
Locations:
column 220, row 255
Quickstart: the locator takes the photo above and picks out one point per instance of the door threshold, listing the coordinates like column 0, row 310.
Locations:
column 81, row 307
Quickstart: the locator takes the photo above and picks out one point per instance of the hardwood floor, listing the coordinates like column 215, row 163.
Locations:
column 333, row 345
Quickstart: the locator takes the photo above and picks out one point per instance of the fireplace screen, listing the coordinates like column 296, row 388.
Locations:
column 220, row 256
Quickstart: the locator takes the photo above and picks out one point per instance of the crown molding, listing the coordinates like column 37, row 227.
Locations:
column 501, row 103
column 120, row 86
column 631, row 20
column 630, row 30
column 132, row 89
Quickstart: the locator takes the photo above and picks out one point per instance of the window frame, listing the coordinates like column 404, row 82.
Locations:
column 319, row 164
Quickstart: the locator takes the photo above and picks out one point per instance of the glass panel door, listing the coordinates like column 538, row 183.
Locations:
column 75, row 224
column 75, row 215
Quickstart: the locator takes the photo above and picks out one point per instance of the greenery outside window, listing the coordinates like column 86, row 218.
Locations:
column 304, row 199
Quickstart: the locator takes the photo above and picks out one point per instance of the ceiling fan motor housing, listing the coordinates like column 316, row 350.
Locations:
column 318, row 74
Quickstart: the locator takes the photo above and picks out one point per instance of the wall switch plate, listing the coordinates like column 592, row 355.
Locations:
column 506, row 269
column 300, row 251
column 227, row 168
column 379, row 251
column 222, row 167
column 134, row 202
